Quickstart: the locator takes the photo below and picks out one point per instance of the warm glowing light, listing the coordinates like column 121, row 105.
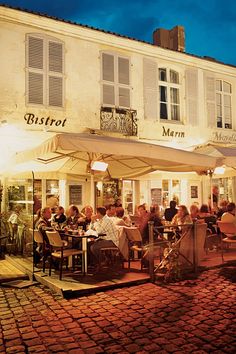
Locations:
column 99, row 166
column 219, row 170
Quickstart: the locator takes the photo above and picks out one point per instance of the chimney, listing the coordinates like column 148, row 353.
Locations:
column 172, row 39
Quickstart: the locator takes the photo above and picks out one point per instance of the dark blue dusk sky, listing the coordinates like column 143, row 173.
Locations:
column 210, row 25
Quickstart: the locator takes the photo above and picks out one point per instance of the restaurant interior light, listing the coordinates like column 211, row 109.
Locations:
column 99, row 166
column 219, row 170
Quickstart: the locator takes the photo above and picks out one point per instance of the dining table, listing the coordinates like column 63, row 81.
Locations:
column 85, row 238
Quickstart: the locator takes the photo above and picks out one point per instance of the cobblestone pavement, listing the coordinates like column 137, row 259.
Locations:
column 193, row 316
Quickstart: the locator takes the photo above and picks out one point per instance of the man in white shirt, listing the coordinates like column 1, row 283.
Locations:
column 103, row 225
column 229, row 215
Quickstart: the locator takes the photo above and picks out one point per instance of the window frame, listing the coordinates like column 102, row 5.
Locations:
column 45, row 72
column 222, row 105
column 169, row 85
column 115, row 84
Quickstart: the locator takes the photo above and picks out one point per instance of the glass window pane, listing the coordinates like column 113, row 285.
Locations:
column 218, row 98
column 163, row 94
column 174, row 76
column 162, row 75
column 219, row 111
column 227, row 111
column 165, row 184
column 163, row 111
column 227, row 100
column 226, row 87
column 175, row 112
column 174, row 95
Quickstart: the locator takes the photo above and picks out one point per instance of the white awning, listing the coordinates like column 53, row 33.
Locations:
column 228, row 154
column 126, row 158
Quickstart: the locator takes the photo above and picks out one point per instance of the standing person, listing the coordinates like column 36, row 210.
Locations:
column 102, row 224
column 15, row 219
column 171, row 211
column 194, row 211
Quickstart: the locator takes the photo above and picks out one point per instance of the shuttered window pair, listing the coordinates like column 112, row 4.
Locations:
column 45, row 70
column 115, row 81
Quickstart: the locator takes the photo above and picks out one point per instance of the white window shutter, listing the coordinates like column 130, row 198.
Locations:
column 124, row 97
column 108, row 93
column 150, row 88
column 210, row 101
column 191, row 84
column 35, row 53
column 108, row 67
column 55, row 91
column 123, row 71
column 55, row 57
column 35, row 88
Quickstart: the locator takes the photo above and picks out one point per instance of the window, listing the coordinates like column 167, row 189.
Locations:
column 45, row 70
column 171, row 190
column 223, row 104
column 169, row 94
column 115, row 81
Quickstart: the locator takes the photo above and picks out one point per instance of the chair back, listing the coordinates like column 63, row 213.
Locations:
column 54, row 238
column 227, row 228
column 38, row 237
column 133, row 234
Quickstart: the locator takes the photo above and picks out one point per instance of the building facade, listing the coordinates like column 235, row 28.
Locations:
column 58, row 76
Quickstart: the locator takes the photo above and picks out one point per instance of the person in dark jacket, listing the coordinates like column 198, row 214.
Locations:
column 171, row 211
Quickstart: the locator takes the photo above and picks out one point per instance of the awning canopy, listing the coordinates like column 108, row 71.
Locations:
column 228, row 154
column 73, row 153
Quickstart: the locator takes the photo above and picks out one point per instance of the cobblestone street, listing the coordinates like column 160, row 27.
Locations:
column 192, row 316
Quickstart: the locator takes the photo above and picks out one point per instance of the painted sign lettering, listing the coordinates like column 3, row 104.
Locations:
column 31, row 119
column 172, row 133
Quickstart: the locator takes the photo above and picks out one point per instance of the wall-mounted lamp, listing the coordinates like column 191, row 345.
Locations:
column 99, row 166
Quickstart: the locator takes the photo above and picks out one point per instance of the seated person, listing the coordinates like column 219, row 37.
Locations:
column 43, row 224
column 194, row 211
column 171, row 211
column 87, row 212
column 143, row 218
column 182, row 218
column 74, row 217
column 229, row 215
column 158, row 223
column 111, row 210
column 103, row 225
column 120, row 219
column 59, row 217
column 205, row 215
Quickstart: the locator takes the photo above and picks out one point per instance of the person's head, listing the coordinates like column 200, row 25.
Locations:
column 194, row 210
column 231, row 208
column 88, row 211
column 204, row 208
column 59, row 210
column 172, row 204
column 142, row 210
column 155, row 209
column 73, row 211
column 101, row 212
column 118, row 203
column 111, row 210
column 120, row 212
column 17, row 209
column 182, row 211
column 46, row 213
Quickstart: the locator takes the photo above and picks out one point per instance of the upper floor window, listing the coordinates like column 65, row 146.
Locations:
column 115, row 81
column 223, row 104
column 169, row 94
column 45, row 70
